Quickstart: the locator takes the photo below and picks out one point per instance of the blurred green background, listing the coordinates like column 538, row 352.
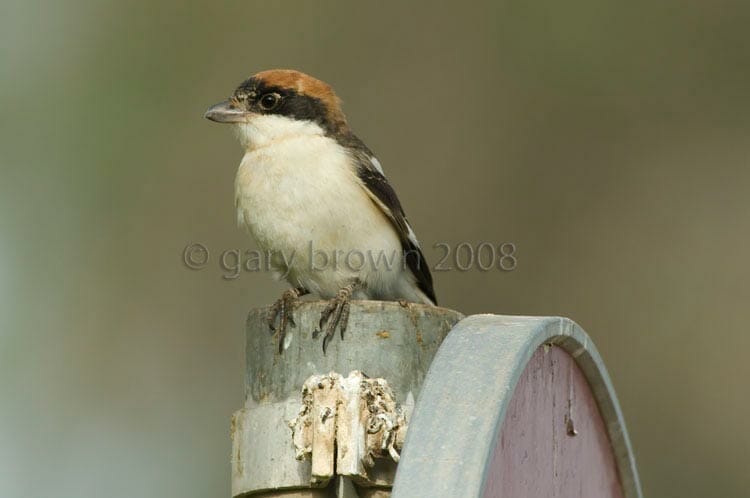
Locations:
column 607, row 140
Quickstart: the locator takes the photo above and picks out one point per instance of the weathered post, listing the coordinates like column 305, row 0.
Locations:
column 308, row 427
column 505, row 406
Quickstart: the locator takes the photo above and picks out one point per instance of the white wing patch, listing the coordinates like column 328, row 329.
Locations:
column 413, row 236
column 376, row 164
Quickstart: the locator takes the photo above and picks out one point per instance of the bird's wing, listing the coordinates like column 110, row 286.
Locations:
column 376, row 185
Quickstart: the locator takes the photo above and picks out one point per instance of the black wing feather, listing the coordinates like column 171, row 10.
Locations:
column 377, row 185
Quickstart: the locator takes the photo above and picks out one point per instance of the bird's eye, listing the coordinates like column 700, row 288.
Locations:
column 270, row 101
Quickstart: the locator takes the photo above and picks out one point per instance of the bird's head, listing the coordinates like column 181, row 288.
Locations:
column 280, row 103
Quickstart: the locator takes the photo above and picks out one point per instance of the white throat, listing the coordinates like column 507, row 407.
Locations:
column 263, row 130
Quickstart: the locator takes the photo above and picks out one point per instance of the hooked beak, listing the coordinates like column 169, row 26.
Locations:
column 225, row 112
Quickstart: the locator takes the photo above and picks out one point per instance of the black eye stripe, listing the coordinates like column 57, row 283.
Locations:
column 290, row 103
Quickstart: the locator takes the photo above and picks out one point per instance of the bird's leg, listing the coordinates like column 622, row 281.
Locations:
column 336, row 313
column 283, row 309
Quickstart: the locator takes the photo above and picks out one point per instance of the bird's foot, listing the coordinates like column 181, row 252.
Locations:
column 336, row 313
column 283, row 310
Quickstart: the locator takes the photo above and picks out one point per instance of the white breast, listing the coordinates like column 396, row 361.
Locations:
column 300, row 198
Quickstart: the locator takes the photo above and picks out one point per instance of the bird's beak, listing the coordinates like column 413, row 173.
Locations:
column 225, row 112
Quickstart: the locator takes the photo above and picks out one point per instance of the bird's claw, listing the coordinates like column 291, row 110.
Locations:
column 336, row 313
column 283, row 310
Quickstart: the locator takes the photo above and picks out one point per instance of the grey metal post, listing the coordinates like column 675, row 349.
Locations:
column 454, row 434
column 386, row 340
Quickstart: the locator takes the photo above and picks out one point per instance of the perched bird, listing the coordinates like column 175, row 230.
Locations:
column 316, row 199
